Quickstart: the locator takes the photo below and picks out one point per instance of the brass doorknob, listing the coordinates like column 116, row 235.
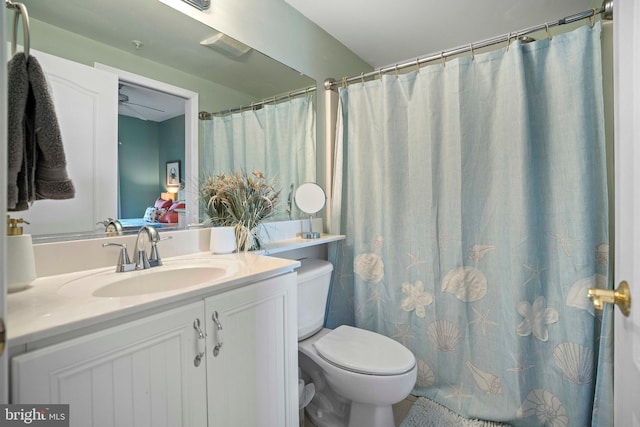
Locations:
column 620, row 297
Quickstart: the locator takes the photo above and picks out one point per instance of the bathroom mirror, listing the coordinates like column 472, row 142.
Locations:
column 158, row 42
column 310, row 199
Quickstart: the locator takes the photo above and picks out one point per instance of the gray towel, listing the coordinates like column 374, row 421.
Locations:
column 37, row 164
column 17, row 94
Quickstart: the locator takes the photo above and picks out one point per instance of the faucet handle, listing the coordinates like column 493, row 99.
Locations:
column 124, row 263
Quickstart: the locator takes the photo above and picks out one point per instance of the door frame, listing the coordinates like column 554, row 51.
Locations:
column 191, row 141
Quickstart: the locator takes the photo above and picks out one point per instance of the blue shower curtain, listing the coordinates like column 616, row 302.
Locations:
column 278, row 139
column 473, row 196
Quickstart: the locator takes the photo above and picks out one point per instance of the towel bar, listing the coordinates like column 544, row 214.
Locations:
column 19, row 10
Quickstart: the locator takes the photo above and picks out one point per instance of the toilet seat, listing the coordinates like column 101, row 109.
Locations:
column 364, row 352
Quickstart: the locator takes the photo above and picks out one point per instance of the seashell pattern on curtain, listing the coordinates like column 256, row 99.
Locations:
column 473, row 195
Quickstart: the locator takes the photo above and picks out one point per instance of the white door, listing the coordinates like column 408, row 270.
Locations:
column 86, row 102
column 4, row 377
column 627, row 209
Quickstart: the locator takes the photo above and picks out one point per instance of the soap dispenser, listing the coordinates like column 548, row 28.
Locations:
column 21, row 268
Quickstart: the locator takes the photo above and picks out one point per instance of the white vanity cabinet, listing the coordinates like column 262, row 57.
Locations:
column 137, row 374
column 252, row 378
column 143, row 373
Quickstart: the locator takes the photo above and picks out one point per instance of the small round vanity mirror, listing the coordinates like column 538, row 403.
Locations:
column 310, row 199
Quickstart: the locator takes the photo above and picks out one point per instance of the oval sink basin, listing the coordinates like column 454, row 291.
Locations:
column 172, row 276
column 162, row 281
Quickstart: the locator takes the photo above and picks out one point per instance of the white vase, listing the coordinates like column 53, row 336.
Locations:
column 247, row 238
column 223, row 240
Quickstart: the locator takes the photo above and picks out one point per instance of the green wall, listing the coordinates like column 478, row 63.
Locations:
column 171, row 145
column 144, row 147
column 68, row 45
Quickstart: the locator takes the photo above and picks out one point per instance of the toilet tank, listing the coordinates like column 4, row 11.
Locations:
column 314, row 278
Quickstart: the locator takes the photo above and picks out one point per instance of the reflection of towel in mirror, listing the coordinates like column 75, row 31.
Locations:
column 36, row 160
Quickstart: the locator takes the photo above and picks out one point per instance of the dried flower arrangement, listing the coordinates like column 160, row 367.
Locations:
column 241, row 201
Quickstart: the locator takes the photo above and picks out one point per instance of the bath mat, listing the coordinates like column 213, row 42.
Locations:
column 427, row 413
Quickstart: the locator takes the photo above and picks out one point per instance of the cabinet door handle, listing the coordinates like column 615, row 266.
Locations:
column 200, row 342
column 216, row 349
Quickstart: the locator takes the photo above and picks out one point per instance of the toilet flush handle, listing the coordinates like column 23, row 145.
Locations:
column 218, row 346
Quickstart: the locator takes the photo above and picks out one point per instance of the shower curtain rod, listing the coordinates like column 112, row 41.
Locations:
column 204, row 115
column 606, row 10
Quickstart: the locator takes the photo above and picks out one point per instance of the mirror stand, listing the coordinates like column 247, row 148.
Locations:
column 310, row 234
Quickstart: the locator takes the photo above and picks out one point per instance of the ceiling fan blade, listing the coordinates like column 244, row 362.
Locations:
column 135, row 113
column 145, row 106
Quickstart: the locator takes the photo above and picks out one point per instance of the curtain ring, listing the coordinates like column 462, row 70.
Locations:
column 444, row 59
column 344, row 82
column 546, row 26
column 379, row 73
column 417, row 65
column 508, row 41
column 362, row 77
column 473, row 56
column 397, row 73
column 592, row 18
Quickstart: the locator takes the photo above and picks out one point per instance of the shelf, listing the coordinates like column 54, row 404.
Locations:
column 279, row 246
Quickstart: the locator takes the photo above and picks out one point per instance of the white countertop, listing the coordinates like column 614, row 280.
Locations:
column 44, row 310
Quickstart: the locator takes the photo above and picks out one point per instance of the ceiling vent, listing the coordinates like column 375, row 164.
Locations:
column 199, row 4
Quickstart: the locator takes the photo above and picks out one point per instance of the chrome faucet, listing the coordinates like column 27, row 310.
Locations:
column 112, row 227
column 141, row 259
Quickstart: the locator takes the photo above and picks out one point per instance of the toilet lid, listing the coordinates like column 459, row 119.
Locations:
column 365, row 352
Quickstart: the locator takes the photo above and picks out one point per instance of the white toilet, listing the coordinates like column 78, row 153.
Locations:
column 358, row 374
